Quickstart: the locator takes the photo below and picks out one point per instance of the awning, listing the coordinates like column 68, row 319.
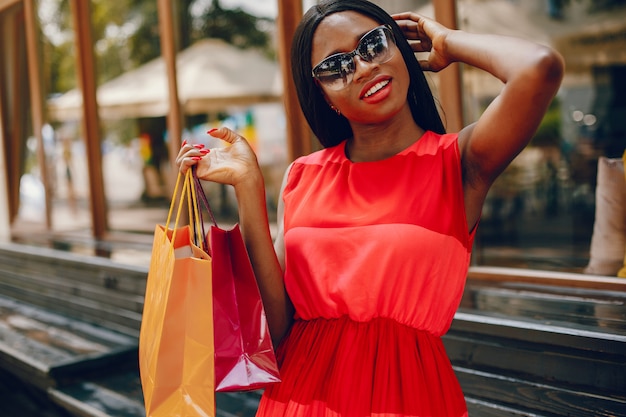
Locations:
column 212, row 76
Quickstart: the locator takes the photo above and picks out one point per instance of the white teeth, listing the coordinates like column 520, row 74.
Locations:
column 376, row 88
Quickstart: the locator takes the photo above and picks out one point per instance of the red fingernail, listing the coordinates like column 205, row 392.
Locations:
column 196, row 158
column 212, row 130
column 198, row 146
column 184, row 143
column 204, row 151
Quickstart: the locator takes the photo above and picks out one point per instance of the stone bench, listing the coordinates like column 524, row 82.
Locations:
column 523, row 342
column 95, row 290
column 540, row 343
column 69, row 327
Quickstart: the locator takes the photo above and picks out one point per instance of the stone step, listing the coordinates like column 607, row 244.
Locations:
column 546, row 347
column 45, row 348
column 498, row 395
column 109, row 394
column 94, row 290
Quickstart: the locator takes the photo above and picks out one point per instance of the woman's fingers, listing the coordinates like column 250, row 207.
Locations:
column 426, row 65
column 421, row 46
column 189, row 155
column 409, row 23
column 412, row 27
column 224, row 134
column 418, row 27
column 405, row 16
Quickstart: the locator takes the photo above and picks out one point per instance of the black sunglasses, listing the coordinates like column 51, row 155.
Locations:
column 337, row 71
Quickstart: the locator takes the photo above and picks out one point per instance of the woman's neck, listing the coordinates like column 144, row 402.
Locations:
column 374, row 142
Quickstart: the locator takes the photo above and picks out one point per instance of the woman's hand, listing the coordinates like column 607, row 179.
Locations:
column 235, row 164
column 425, row 35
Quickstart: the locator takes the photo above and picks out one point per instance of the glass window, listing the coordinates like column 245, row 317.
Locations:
column 541, row 211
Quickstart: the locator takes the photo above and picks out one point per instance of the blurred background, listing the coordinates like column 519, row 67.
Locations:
column 540, row 213
column 96, row 97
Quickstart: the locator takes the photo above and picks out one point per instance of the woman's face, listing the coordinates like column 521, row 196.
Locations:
column 377, row 91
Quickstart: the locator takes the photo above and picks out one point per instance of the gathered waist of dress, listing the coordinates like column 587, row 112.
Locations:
column 370, row 331
column 342, row 367
column 348, row 320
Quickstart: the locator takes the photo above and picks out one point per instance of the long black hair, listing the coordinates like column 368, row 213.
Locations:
column 329, row 127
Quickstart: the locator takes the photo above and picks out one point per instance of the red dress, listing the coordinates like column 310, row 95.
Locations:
column 376, row 259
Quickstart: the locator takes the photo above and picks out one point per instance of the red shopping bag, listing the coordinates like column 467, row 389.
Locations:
column 244, row 354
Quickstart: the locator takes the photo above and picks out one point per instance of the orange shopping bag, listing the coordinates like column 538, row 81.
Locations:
column 176, row 351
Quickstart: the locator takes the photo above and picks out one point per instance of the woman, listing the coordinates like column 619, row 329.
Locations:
column 376, row 230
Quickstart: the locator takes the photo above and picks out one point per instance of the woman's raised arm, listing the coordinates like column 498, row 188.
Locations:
column 531, row 75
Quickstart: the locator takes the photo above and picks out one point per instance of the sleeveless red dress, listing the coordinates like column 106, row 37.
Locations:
column 376, row 256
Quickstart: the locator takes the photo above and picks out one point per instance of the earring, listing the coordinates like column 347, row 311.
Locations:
column 336, row 110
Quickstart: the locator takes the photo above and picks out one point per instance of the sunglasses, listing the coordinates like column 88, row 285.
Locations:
column 337, row 71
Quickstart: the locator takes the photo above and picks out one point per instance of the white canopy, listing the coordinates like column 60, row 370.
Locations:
column 212, row 75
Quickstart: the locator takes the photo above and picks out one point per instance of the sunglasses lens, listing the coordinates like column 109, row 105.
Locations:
column 336, row 71
column 375, row 47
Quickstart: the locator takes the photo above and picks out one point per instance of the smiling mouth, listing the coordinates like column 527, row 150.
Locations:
column 376, row 88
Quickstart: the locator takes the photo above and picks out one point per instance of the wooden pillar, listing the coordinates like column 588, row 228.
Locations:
column 298, row 132
column 36, row 99
column 13, row 89
column 7, row 58
column 5, row 218
column 450, row 93
column 5, row 208
column 91, row 126
column 16, row 114
column 168, row 51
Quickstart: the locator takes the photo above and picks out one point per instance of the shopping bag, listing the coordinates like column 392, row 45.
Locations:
column 176, row 353
column 244, row 354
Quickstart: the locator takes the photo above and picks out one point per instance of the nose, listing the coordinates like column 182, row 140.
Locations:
column 363, row 68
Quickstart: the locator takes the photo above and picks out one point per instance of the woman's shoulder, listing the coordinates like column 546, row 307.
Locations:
column 432, row 143
column 442, row 140
column 322, row 156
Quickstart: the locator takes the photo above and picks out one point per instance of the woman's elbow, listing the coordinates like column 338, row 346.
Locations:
column 549, row 67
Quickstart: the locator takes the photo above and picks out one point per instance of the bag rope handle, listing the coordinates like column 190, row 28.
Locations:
column 198, row 226
column 203, row 199
column 185, row 192
column 197, row 190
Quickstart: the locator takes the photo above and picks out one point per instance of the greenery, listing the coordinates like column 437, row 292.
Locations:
column 549, row 131
column 593, row 6
column 235, row 27
column 126, row 35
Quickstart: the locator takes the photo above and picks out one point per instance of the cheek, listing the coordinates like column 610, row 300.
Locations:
column 401, row 71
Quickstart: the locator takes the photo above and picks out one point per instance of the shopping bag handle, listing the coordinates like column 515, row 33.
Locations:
column 200, row 236
column 197, row 190
column 203, row 197
column 186, row 191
